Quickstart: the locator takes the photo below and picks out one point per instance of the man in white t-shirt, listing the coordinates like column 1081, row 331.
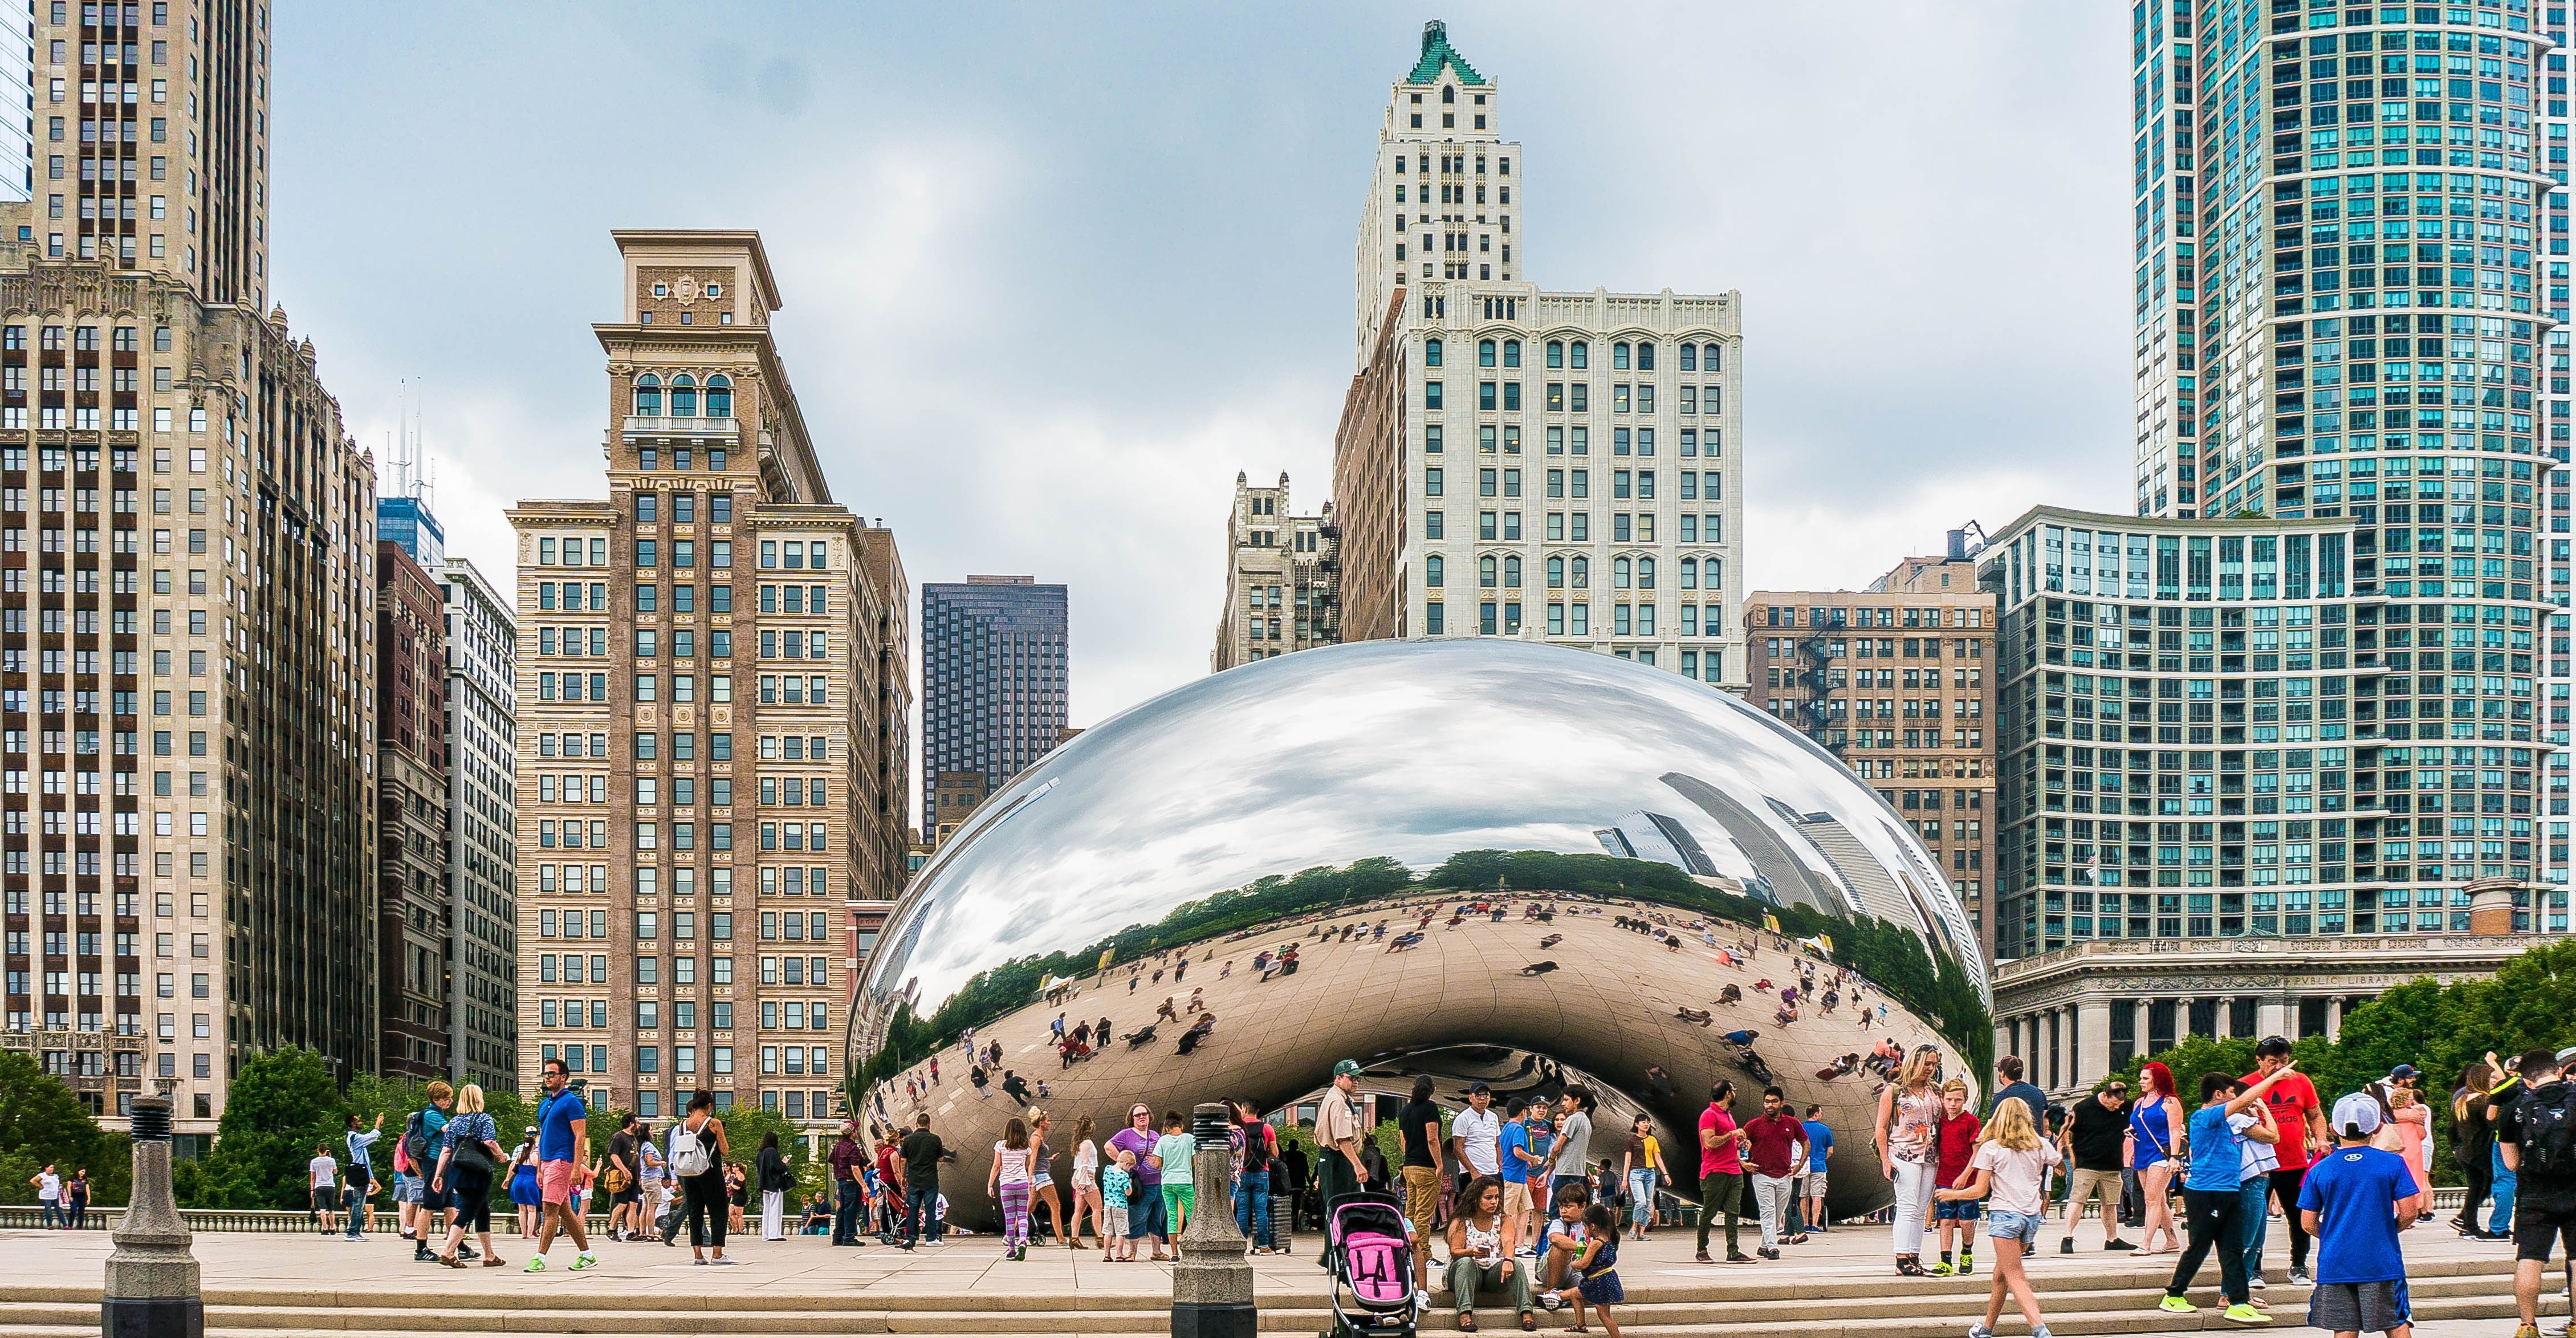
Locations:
column 324, row 1176
column 1479, row 1132
column 49, row 1196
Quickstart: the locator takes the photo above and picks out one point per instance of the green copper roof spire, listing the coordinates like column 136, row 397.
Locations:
column 1437, row 52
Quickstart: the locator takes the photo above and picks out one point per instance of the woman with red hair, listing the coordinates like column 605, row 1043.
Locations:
column 2157, row 1138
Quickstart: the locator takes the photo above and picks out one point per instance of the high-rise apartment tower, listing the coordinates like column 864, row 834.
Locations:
column 993, row 680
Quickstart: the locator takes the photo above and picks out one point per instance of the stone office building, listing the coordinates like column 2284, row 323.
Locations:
column 1282, row 578
column 699, row 667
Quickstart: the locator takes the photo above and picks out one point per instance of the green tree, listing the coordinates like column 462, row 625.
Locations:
column 42, row 1122
column 2189, row 1058
column 281, row 1105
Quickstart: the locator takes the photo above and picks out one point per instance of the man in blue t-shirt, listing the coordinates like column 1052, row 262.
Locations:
column 1511, row 1154
column 563, row 1161
column 2355, row 1200
column 1811, row 1194
column 2210, row 1197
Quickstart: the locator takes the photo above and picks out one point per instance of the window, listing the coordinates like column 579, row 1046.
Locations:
column 1431, row 353
column 719, row 393
column 648, row 396
column 684, row 396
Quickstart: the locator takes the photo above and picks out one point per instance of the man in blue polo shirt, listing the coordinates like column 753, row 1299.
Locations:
column 563, row 1141
column 1820, row 1140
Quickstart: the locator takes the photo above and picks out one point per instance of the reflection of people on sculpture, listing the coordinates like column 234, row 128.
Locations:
column 1198, row 1032
column 1839, row 1067
column 1699, row 1015
column 1165, row 1011
column 1139, row 1039
column 1538, row 968
column 1550, row 941
column 1732, row 994
column 1744, row 1037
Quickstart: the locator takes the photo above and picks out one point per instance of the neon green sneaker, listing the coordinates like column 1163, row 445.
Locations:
column 583, row 1260
column 1943, row 1269
column 536, row 1264
column 1967, row 1263
column 2245, row 1314
column 2176, row 1305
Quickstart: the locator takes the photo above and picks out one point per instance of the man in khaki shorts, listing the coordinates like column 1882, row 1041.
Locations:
column 1511, row 1148
column 2091, row 1142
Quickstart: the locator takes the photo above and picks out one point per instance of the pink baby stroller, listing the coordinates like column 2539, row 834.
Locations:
column 1368, row 1253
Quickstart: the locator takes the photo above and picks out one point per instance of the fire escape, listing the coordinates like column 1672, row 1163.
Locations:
column 1815, row 713
column 1325, row 585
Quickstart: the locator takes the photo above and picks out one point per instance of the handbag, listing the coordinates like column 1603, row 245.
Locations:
column 469, row 1154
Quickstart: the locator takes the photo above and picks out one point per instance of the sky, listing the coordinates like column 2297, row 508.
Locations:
column 1054, row 274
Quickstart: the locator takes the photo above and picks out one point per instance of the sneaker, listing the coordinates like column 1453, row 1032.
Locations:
column 2245, row 1314
column 1979, row 1330
column 1768, row 1252
column 1551, row 1301
column 583, row 1260
column 535, row 1265
column 2527, row 1331
column 1967, row 1264
column 2175, row 1305
column 2256, row 1282
column 1943, row 1269
column 2066, row 1246
column 934, row 1242
column 2119, row 1245
column 2042, row 1332
column 2299, row 1276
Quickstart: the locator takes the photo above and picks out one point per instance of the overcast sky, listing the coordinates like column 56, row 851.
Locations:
column 1054, row 273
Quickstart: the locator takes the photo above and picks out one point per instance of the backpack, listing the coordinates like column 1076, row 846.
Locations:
column 689, row 1157
column 415, row 1143
column 2545, row 1128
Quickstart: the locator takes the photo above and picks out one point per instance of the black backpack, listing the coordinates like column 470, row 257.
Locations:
column 415, row 1145
column 2545, row 1129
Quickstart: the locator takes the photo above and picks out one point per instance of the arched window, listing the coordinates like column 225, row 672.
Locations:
column 1430, row 352
column 1511, row 573
column 1556, row 353
column 1619, row 356
column 1582, row 351
column 1511, row 353
column 1556, row 573
column 684, row 396
column 1435, row 571
column 1484, row 353
column 1708, row 358
column 1619, row 573
column 719, row 396
column 1690, row 357
column 1582, row 573
column 1485, row 572
column 1645, row 573
column 1690, row 566
column 1448, row 95
column 648, row 396
column 1645, row 355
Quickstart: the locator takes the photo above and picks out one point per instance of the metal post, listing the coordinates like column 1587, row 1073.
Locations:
column 151, row 1287
column 1212, row 1282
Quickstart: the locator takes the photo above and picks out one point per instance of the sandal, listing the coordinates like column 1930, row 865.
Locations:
column 1466, row 1322
column 495, row 1261
column 1529, row 1322
column 450, row 1261
column 1909, row 1268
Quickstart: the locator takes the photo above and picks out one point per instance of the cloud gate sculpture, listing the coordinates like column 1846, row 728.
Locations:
column 1480, row 860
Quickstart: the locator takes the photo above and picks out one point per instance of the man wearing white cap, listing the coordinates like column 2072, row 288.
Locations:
column 2355, row 1200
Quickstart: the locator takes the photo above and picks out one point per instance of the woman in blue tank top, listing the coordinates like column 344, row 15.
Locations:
column 2156, row 1153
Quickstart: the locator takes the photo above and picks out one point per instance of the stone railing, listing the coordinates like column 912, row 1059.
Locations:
column 258, row 1221
column 2350, row 946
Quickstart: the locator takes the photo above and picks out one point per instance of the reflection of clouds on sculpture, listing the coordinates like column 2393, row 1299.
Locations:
column 1414, row 751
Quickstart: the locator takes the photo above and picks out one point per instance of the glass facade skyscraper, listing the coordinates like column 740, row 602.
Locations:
column 993, row 684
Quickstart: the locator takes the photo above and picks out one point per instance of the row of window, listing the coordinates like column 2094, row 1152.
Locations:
column 814, row 836
column 1577, row 354
column 1505, row 397
column 1625, row 573
column 683, row 397
column 1625, row 527
column 1577, row 440
column 1503, row 618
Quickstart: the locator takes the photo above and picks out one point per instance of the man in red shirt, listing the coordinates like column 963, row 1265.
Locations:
column 1778, row 1151
column 1956, row 1140
column 2301, row 1121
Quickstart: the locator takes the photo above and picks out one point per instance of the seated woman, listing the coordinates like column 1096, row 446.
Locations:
column 1481, row 1245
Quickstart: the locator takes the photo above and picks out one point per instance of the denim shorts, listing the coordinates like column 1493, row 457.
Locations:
column 1955, row 1210
column 2005, row 1224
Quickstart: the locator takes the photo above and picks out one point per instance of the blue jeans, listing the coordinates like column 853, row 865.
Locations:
column 1641, row 1197
column 845, row 1220
column 920, row 1202
column 2254, row 1217
column 1252, row 1207
column 2504, row 1183
column 51, row 1213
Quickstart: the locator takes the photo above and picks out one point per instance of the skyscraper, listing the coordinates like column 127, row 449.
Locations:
column 701, row 672
column 149, row 142
column 189, row 541
column 482, row 830
column 993, row 680
column 1559, row 466
column 411, row 808
column 1282, row 578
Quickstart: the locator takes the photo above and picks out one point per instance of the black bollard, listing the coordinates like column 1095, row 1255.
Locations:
column 151, row 1287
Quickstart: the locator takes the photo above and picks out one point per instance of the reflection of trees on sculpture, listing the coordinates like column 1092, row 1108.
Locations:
column 1893, row 959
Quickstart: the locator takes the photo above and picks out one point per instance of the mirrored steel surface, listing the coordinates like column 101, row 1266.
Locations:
column 1415, row 752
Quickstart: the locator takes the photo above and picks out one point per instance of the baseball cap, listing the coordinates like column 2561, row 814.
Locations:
column 2405, row 1071
column 2356, row 1114
column 1480, row 1087
column 1348, row 1068
column 2273, row 1045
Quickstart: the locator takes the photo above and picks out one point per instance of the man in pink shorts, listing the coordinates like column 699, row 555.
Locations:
column 562, row 1138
